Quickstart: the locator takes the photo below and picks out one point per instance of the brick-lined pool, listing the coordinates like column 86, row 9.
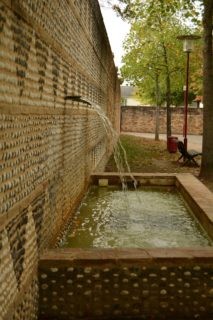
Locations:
column 134, row 283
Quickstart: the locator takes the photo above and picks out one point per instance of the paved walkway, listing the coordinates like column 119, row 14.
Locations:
column 194, row 141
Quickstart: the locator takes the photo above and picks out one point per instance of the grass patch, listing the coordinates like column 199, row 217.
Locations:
column 147, row 155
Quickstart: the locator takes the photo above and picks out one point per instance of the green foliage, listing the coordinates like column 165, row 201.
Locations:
column 196, row 66
column 134, row 9
column 152, row 48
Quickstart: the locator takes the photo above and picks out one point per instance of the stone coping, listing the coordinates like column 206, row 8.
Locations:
column 66, row 257
column 157, row 179
column 138, row 175
column 199, row 198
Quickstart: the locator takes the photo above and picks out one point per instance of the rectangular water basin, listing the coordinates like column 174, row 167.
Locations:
column 134, row 283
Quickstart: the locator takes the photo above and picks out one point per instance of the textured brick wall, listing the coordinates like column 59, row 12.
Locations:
column 142, row 119
column 126, row 284
column 49, row 146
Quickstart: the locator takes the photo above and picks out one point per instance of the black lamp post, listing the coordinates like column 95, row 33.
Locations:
column 187, row 47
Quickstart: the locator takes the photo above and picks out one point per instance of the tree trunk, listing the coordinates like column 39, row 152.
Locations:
column 157, row 107
column 168, row 103
column 168, row 94
column 207, row 158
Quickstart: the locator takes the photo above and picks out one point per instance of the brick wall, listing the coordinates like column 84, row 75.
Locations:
column 142, row 119
column 49, row 146
column 126, row 284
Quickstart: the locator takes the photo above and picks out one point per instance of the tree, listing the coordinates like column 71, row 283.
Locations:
column 207, row 158
column 196, row 62
column 149, row 48
column 189, row 8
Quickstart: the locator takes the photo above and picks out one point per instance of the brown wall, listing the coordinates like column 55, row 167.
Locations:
column 126, row 283
column 49, row 146
column 142, row 119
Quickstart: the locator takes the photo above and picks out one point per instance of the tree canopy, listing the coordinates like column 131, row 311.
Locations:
column 145, row 55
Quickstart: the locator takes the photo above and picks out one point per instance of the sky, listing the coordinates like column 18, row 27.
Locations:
column 117, row 29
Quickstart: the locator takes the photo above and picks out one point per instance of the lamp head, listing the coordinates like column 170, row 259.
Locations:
column 188, row 45
column 188, row 42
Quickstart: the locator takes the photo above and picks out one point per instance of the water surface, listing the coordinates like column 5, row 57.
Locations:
column 143, row 218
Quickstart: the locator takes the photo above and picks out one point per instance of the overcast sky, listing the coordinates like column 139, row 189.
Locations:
column 117, row 29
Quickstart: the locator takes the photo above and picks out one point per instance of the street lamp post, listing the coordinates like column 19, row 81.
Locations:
column 187, row 47
column 186, row 98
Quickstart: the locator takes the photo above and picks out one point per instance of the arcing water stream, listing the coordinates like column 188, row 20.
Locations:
column 119, row 152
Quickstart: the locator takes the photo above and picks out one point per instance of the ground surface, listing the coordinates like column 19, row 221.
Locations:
column 194, row 141
column 147, row 155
